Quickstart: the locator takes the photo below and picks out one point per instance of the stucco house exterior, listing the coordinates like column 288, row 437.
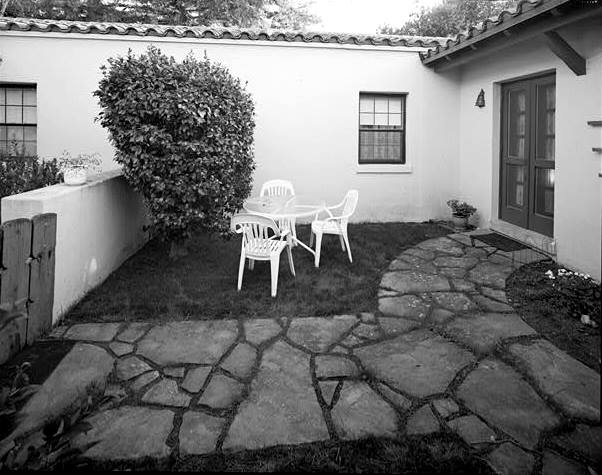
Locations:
column 394, row 117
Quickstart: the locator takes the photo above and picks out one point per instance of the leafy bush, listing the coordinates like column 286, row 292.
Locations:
column 183, row 132
column 20, row 174
column 82, row 160
column 461, row 209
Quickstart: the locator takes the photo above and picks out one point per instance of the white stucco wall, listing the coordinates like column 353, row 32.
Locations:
column 578, row 99
column 99, row 225
column 307, row 99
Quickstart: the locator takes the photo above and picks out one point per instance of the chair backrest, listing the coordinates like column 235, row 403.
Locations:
column 253, row 226
column 350, row 203
column 277, row 188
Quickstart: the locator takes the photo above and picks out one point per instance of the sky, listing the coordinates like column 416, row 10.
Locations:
column 364, row 16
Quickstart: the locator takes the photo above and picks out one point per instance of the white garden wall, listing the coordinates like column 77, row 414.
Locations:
column 99, row 225
column 577, row 210
column 307, row 99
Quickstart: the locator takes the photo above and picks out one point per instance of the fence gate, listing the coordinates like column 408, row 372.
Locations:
column 26, row 281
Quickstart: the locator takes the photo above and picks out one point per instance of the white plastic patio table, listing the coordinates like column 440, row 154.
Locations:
column 283, row 208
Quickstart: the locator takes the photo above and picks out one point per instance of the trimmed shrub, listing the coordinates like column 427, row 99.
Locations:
column 20, row 174
column 183, row 133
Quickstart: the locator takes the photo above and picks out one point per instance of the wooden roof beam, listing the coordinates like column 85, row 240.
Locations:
column 565, row 52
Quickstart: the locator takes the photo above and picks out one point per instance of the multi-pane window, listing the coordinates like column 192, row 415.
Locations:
column 18, row 119
column 382, row 128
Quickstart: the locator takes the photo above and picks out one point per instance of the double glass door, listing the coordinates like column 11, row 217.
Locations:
column 527, row 155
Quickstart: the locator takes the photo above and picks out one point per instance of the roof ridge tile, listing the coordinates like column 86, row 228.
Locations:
column 180, row 31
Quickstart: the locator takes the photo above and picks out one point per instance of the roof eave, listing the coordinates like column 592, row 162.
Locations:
column 546, row 16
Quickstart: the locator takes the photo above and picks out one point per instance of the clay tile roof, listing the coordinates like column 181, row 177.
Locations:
column 493, row 25
column 136, row 29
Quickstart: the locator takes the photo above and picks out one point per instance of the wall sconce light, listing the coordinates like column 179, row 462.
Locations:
column 480, row 99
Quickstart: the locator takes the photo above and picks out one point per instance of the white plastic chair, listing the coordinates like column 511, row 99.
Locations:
column 280, row 188
column 277, row 188
column 258, row 245
column 335, row 224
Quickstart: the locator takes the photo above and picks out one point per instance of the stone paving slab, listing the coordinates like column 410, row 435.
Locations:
column 555, row 464
column 472, row 430
column 166, row 393
column 408, row 306
column 571, row 384
column 508, row 459
column 229, row 385
column 92, row 331
column 318, row 334
column 199, row 433
column 133, row 332
column 499, row 395
column 422, row 422
column 221, row 392
column 420, row 363
column 482, row 332
column 196, row 342
column 241, row 361
column 282, row 407
column 127, row 433
column 413, row 282
column 258, row 331
column 584, row 440
column 360, row 413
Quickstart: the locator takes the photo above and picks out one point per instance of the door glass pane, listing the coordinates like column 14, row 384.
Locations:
column 516, row 124
column 544, row 191
column 516, row 186
column 546, row 118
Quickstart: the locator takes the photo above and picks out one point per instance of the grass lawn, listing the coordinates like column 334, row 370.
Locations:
column 202, row 285
column 442, row 453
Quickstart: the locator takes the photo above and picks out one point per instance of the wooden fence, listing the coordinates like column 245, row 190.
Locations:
column 26, row 281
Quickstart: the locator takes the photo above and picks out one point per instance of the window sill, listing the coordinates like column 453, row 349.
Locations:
column 383, row 169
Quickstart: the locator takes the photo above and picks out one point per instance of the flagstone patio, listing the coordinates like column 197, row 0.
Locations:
column 444, row 352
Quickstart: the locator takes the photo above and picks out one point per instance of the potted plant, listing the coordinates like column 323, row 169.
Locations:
column 75, row 169
column 461, row 211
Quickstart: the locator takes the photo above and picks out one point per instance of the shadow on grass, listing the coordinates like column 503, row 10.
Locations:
column 202, row 285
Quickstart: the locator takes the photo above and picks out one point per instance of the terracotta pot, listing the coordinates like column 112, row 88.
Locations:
column 460, row 222
column 75, row 176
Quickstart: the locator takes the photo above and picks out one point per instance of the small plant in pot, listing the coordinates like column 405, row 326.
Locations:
column 75, row 169
column 461, row 211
